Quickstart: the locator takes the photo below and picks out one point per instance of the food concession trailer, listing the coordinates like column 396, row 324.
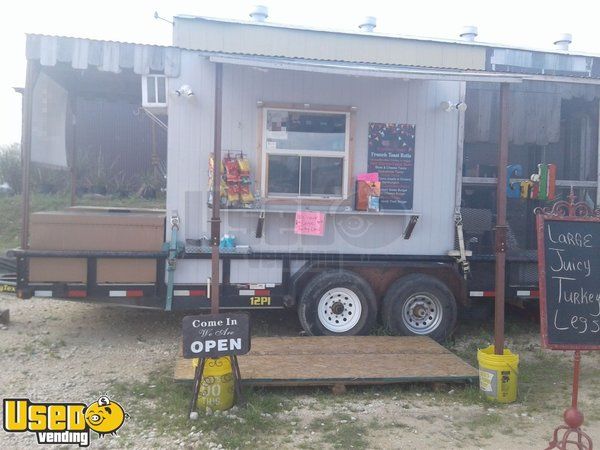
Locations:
column 360, row 170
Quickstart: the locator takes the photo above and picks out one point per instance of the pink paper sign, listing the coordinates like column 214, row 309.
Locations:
column 310, row 223
column 368, row 177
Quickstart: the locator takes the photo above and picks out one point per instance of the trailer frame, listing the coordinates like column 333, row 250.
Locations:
column 233, row 295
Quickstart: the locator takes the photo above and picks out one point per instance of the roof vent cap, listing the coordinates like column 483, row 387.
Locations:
column 259, row 13
column 562, row 41
column 368, row 24
column 469, row 33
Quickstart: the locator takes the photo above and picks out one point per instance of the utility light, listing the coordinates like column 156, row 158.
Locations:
column 449, row 106
column 184, row 91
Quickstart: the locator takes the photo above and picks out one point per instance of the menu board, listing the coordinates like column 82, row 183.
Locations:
column 392, row 156
column 569, row 270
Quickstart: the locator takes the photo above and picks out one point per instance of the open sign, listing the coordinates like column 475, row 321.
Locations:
column 214, row 335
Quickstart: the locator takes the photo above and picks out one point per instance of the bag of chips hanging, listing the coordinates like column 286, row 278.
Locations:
column 246, row 194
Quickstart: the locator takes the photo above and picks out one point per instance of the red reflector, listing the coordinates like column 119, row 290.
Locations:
column 535, row 293
column 197, row 293
column 76, row 293
column 262, row 292
column 135, row 293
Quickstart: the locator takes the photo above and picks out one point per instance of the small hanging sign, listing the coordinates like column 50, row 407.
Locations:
column 215, row 335
column 310, row 223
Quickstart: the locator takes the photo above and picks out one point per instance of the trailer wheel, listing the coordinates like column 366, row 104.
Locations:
column 420, row 304
column 337, row 302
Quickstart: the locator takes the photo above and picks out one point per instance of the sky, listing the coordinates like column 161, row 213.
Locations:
column 526, row 23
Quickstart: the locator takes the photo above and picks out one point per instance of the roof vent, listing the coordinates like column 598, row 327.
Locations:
column 368, row 24
column 259, row 13
column 469, row 33
column 562, row 41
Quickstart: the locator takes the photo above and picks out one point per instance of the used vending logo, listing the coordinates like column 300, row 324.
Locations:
column 63, row 423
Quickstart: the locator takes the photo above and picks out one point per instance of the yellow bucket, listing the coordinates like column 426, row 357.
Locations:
column 498, row 374
column 216, row 387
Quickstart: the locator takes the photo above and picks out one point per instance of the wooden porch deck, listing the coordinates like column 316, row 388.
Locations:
column 345, row 360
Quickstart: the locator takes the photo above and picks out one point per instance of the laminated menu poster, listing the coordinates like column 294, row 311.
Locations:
column 392, row 156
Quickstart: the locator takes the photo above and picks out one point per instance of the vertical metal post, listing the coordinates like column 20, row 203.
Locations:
column 73, row 103
column 197, row 382
column 576, row 369
column 501, row 227
column 30, row 80
column 462, row 90
column 73, row 201
column 215, row 221
column 154, row 158
column 572, row 434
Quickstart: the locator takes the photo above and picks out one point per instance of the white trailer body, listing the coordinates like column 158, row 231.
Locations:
column 374, row 99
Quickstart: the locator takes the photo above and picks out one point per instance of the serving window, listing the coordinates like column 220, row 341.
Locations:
column 305, row 153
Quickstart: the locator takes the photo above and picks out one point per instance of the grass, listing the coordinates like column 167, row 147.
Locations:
column 314, row 418
column 10, row 211
column 340, row 431
column 544, row 381
column 544, row 376
column 269, row 418
column 162, row 406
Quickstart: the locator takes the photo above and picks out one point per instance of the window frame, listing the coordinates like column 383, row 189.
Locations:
column 346, row 155
column 156, row 104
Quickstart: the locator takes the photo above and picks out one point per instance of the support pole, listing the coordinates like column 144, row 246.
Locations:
column 460, row 132
column 197, row 382
column 501, row 227
column 73, row 184
column 215, row 221
column 73, row 117
column 572, row 434
column 30, row 80
column 576, row 369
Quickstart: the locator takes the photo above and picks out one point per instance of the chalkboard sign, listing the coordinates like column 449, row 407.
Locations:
column 392, row 156
column 569, row 272
column 214, row 335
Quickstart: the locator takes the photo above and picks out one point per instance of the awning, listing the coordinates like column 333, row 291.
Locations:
column 106, row 56
column 363, row 70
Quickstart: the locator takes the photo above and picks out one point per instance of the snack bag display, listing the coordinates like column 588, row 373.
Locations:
column 235, row 181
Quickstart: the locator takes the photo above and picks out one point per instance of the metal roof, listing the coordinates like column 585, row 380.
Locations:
column 106, row 56
column 265, row 39
column 361, row 69
column 249, row 38
column 358, row 32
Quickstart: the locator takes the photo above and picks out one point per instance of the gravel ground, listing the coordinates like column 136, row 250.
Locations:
column 65, row 351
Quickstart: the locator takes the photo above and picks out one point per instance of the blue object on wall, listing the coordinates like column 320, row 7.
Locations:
column 513, row 190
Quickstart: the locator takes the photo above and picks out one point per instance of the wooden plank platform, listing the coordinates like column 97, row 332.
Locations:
column 330, row 360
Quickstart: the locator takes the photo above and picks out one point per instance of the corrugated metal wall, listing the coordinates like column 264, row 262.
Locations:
column 414, row 102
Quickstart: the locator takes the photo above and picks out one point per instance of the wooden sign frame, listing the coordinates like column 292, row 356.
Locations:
column 561, row 212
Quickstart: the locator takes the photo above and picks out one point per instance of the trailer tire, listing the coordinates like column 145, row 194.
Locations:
column 337, row 303
column 420, row 305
